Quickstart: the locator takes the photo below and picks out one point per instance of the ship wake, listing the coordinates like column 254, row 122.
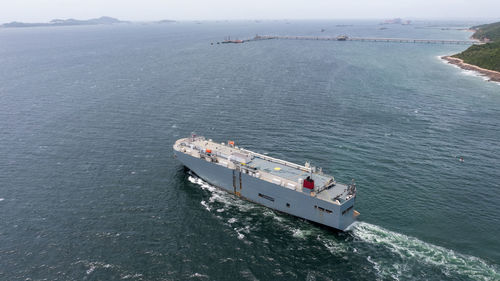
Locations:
column 412, row 253
column 391, row 255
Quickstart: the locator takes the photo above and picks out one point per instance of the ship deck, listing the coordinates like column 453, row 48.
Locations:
column 271, row 169
column 286, row 172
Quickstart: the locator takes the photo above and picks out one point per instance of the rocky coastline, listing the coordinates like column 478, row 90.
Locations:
column 492, row 75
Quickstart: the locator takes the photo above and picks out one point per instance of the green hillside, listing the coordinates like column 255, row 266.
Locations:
column 487, row 55
column 487, row 31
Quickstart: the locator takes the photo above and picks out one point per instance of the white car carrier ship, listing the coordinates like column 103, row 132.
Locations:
column 302, row 191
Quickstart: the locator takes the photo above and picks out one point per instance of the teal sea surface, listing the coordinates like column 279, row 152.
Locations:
column 89, row 189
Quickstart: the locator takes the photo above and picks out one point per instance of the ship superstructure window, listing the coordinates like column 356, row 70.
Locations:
column 288, row 205
column 323, row 209
column 266, row 197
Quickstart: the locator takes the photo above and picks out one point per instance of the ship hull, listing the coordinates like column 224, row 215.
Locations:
column 271, row 195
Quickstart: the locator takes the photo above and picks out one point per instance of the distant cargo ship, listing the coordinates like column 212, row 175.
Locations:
column 302, row 191
column 397, row 21
column 234, row 41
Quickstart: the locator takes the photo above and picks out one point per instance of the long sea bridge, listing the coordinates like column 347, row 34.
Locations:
column 361, row 39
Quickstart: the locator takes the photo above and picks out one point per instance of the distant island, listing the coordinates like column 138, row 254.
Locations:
column 67, row 22
column 166, row 21
column 484, row 58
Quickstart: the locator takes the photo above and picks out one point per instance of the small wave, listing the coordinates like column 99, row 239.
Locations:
column 204, row 204
column 91, row 269
column 96, row 265
column 198, row 275
column 440, row 58
column 92, row 266
column 107, row 234
column 241, row 236
column 412, row 249
column 240, row 231
column 1, row 199
column 128, row 276
column 474, row 73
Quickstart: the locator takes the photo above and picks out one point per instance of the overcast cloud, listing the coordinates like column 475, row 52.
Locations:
column 144, row 10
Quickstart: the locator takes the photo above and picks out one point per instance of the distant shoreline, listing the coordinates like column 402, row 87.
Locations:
column 491, row 74
column 72, row 22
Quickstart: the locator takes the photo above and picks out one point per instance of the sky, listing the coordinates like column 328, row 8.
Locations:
column 146, row 10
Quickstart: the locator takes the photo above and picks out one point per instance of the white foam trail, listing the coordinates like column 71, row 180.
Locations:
column 412, row 249
column 333, row 246
column 218, row 195
column 1, row 199
column 376, row 266
column 298, row 233
column 201, row 183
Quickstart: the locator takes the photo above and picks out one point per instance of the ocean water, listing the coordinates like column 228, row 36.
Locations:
column 89, row 189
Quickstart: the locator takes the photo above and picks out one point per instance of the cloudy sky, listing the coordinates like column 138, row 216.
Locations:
column 143, row 10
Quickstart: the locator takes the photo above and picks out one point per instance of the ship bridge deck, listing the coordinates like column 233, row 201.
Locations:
column 270, row 169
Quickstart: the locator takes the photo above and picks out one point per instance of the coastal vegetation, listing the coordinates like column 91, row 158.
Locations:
column 486, row 56
column 487, row 32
